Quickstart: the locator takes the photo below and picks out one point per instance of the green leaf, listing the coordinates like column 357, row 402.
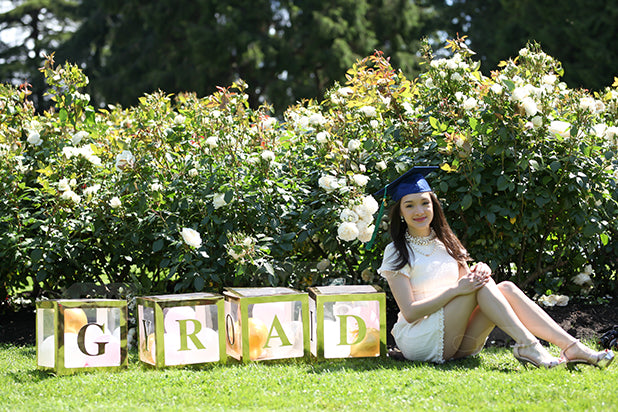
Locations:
column 502, row 183
column 158, row 245
column 198, row 283
column 36, row 255
column 443, row 187
column 63, row 115
column 466, row 202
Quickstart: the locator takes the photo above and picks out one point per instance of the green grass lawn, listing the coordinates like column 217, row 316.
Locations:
column 493, row 381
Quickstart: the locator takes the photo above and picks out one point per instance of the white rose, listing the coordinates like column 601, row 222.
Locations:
column 268, row 156
column 429, row 83
column 365, row 232
column 193, row 172
column 179, row 119
column 520, row 93
column 63, row 185
column 345, row 91
column 316, row 119
column 155, row 187
column 367, row 208
column 548, row 300
column 323, row 265
column 560, row 128
column 92, row 189
column 529, row 106
column 549, row 79
column 71, row 195
column 459, row 96
column 354, row 145
column 588, row 270
column 562, row 300
column 125, row 159
column 34, row 138
column 496, row 88
column 469, row 103
column 322, row 137
column 599, row 129
column 268, row 122
column 329, row 183
column 78, row 137
column 587, row 103
column 374, row 124
column 360, row 180
column 381, row 165
column 537, row 121
column 115, row 202
column 456, row 77
column 212, row 141
column 219, row 200
column 347, row 231
column 368, row 111
column 191, row 237
column 348, row 215
column 582, row 279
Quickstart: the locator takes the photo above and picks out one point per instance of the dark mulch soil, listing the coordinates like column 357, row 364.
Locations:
column 580, row 320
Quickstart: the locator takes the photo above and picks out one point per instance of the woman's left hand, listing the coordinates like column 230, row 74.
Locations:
column 481, row 271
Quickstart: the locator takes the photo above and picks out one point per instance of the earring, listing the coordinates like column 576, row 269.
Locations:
column 402, row 219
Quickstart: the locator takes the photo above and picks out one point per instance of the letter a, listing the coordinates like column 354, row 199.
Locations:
column 280, row 333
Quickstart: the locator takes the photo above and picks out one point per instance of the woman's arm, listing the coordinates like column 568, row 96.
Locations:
column 413, row 310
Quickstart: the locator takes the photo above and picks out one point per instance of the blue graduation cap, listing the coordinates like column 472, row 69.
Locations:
column 412, row 181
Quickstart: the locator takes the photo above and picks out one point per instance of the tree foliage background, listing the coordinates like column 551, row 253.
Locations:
column 286, row 50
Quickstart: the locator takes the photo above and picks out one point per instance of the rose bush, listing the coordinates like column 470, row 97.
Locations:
column 182, row 193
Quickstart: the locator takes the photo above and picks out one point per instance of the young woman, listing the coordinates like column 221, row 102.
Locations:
column 448, row 309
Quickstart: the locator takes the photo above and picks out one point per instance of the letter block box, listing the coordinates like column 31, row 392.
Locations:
column 347, row 321
column 266, row 323
column 182, row 329
column 81, row 334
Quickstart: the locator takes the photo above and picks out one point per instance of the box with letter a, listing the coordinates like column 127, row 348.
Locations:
column 75, row 335
column 266, row 323
column 347, row 321
column 183, row 329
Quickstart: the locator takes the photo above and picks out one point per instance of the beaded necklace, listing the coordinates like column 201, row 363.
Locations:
column 416, row 241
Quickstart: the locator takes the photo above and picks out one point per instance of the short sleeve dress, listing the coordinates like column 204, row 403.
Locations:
column 430, row 270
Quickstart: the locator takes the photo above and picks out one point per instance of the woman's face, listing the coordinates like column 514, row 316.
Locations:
column 417, row 210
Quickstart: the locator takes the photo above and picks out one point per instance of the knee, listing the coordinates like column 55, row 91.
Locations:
column 508, row 288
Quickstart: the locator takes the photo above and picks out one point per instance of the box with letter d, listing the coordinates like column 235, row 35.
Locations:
column 347, row 321
column 81, row 334
column 183, row 329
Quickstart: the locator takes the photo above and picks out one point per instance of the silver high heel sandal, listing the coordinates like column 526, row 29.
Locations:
column 601, row 359
column 524, row 360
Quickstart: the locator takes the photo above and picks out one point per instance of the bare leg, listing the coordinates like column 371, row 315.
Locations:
column 541, row 324
column 462, row 320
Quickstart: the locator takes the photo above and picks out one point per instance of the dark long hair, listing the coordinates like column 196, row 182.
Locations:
column 438, row 224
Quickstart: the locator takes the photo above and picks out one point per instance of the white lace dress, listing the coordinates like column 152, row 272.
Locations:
column 422, row 340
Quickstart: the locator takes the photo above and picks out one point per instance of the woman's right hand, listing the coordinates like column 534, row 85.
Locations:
column 471, row 282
